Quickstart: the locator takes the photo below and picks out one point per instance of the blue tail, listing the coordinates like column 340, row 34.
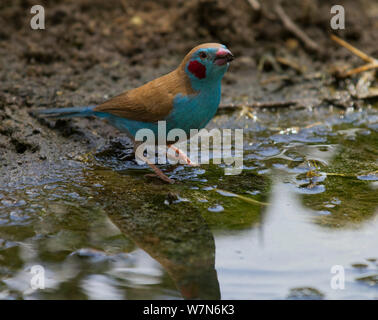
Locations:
column 60, row 113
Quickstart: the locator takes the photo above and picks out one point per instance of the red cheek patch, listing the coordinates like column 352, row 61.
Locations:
column 197, row 68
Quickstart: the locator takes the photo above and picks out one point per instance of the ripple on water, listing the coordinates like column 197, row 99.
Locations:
column 268, row 152
column 285, row 138
column 101, row 287
column 226, row 193
column 181, row 174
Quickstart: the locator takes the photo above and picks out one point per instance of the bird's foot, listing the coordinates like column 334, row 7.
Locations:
column 158, row 173
column 183, row 156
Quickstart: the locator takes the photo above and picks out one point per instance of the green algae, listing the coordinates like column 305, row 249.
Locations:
column 357, row 199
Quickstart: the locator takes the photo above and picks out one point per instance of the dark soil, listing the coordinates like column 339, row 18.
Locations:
column 94, row 49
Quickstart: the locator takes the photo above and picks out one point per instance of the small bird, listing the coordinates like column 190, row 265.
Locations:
column 186, row 98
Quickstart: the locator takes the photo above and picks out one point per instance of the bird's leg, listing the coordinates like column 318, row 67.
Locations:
column 158, row 172
column 182, row 155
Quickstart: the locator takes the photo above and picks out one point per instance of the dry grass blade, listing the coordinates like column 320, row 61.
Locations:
column 245, row 199
column 290, row 63
column 372, row 63
column 255, row 4
column 365, row 67
column 352, row 49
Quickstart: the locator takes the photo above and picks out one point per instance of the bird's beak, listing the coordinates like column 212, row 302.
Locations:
column 223, row 56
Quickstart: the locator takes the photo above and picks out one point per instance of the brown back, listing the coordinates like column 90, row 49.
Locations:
column 154, row 100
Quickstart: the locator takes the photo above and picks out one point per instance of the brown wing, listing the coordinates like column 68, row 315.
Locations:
column 150, row 102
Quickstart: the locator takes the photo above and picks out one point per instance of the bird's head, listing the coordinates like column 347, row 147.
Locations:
column 207, row 62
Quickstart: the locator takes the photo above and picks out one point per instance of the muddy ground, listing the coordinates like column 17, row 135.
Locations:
column 92, row 50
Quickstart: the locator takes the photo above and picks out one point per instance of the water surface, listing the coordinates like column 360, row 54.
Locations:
column 305, row 202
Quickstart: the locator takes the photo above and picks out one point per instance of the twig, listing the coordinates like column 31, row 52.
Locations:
column 352, row 49
column 371, row 62
column 275, row 79
column 363, row 68
column 125, row 6
column 255, row 4
column 290, row 63
column 292, row 27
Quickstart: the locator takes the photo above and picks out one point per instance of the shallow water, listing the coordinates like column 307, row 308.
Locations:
column 305, row 202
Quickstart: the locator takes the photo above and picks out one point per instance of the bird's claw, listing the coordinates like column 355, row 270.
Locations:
column 192, row 164
column 183, row 156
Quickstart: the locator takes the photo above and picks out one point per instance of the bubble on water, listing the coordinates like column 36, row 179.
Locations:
column 263, row 171
column 226, row 193
column 268, row 152
column 216, row 208
column 255, row 192
column 323, row 212
column 209, row 188
column 280, row 166
column 50, row 186
column 368, row 177
column 335, row 200
column 18, row 216
column 179, row 199
column 93, row 255
column 299, row 169
column 249, row 167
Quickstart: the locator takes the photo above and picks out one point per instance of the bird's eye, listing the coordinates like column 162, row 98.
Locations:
column 203, row 55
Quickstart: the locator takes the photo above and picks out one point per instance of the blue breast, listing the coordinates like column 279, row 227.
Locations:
column 194, row 112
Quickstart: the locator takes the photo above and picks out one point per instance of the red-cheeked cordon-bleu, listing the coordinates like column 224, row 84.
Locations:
column 186, row 98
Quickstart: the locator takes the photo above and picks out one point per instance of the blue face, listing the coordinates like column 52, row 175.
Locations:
column 208, row 65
